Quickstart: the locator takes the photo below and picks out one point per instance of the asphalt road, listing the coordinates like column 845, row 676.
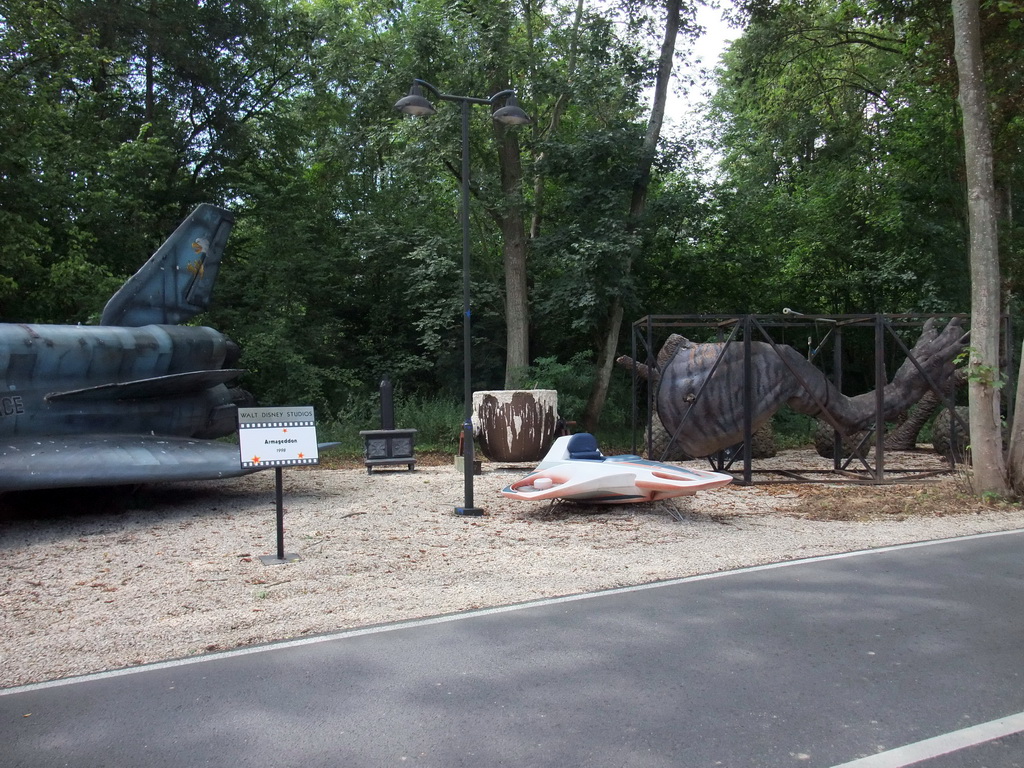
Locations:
column 814, row 663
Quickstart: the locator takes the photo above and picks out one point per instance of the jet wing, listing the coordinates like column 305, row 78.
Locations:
column 71, row 461
column 158, row 386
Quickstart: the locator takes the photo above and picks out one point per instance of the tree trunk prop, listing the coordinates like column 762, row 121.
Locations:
column 849, row 445
column 515, row 425
column 949, row 436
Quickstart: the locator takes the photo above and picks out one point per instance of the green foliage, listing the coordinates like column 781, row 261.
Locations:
column 792, row 429
column 841, row 163
column 839, row 190
column 437, row 422
column 571, row 380
column 978, row 372
column 117, row 124
column 580, row 260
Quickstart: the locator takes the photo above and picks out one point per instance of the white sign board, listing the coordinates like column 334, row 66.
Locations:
column 277, row 437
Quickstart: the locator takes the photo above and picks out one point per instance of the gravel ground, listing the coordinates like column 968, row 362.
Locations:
column 99, row 580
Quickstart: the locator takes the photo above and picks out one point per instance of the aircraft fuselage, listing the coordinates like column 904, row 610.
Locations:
column 137, row 398
column 60, row 379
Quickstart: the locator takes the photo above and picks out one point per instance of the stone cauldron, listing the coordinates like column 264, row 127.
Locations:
column 515, row 425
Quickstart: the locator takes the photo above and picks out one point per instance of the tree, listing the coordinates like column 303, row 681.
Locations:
column 608, row 349
column 989, row 465
column 578, row 79
column 840, row 185
column 122, row 117
column 834, row 115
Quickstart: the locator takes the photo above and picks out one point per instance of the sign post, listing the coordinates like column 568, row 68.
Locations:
column 278, row 438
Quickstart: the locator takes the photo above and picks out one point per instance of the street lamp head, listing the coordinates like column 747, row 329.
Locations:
column 511, row 113
column 415, row 103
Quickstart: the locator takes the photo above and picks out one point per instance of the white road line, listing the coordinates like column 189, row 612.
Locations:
column 941, row 745
column 443, row 619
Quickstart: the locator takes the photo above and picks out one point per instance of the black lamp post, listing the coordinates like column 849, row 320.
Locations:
column 510, row 114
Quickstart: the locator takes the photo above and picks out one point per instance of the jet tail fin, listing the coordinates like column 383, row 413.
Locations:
column 177, row 281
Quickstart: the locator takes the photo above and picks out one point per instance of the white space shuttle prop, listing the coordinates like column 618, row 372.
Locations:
column 574, row 469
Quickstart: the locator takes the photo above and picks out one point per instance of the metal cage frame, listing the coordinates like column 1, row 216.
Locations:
column 742, row 329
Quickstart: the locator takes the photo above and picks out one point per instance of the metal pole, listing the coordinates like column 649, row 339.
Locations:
column 652, row 388
column 281, row 557
column 467, row 339
column 837, row 379
column 279, row 480
column 748, row 400
column 880, row 378
column 415, row 104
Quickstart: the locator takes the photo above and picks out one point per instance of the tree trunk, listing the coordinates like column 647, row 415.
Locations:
column 561, row 104
column 511, row 218
column 989, row 465
column 605, row 363
column 514, row 246
column 637, row 206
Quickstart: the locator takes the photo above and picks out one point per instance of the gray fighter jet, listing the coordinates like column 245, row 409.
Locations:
column 136, row 399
